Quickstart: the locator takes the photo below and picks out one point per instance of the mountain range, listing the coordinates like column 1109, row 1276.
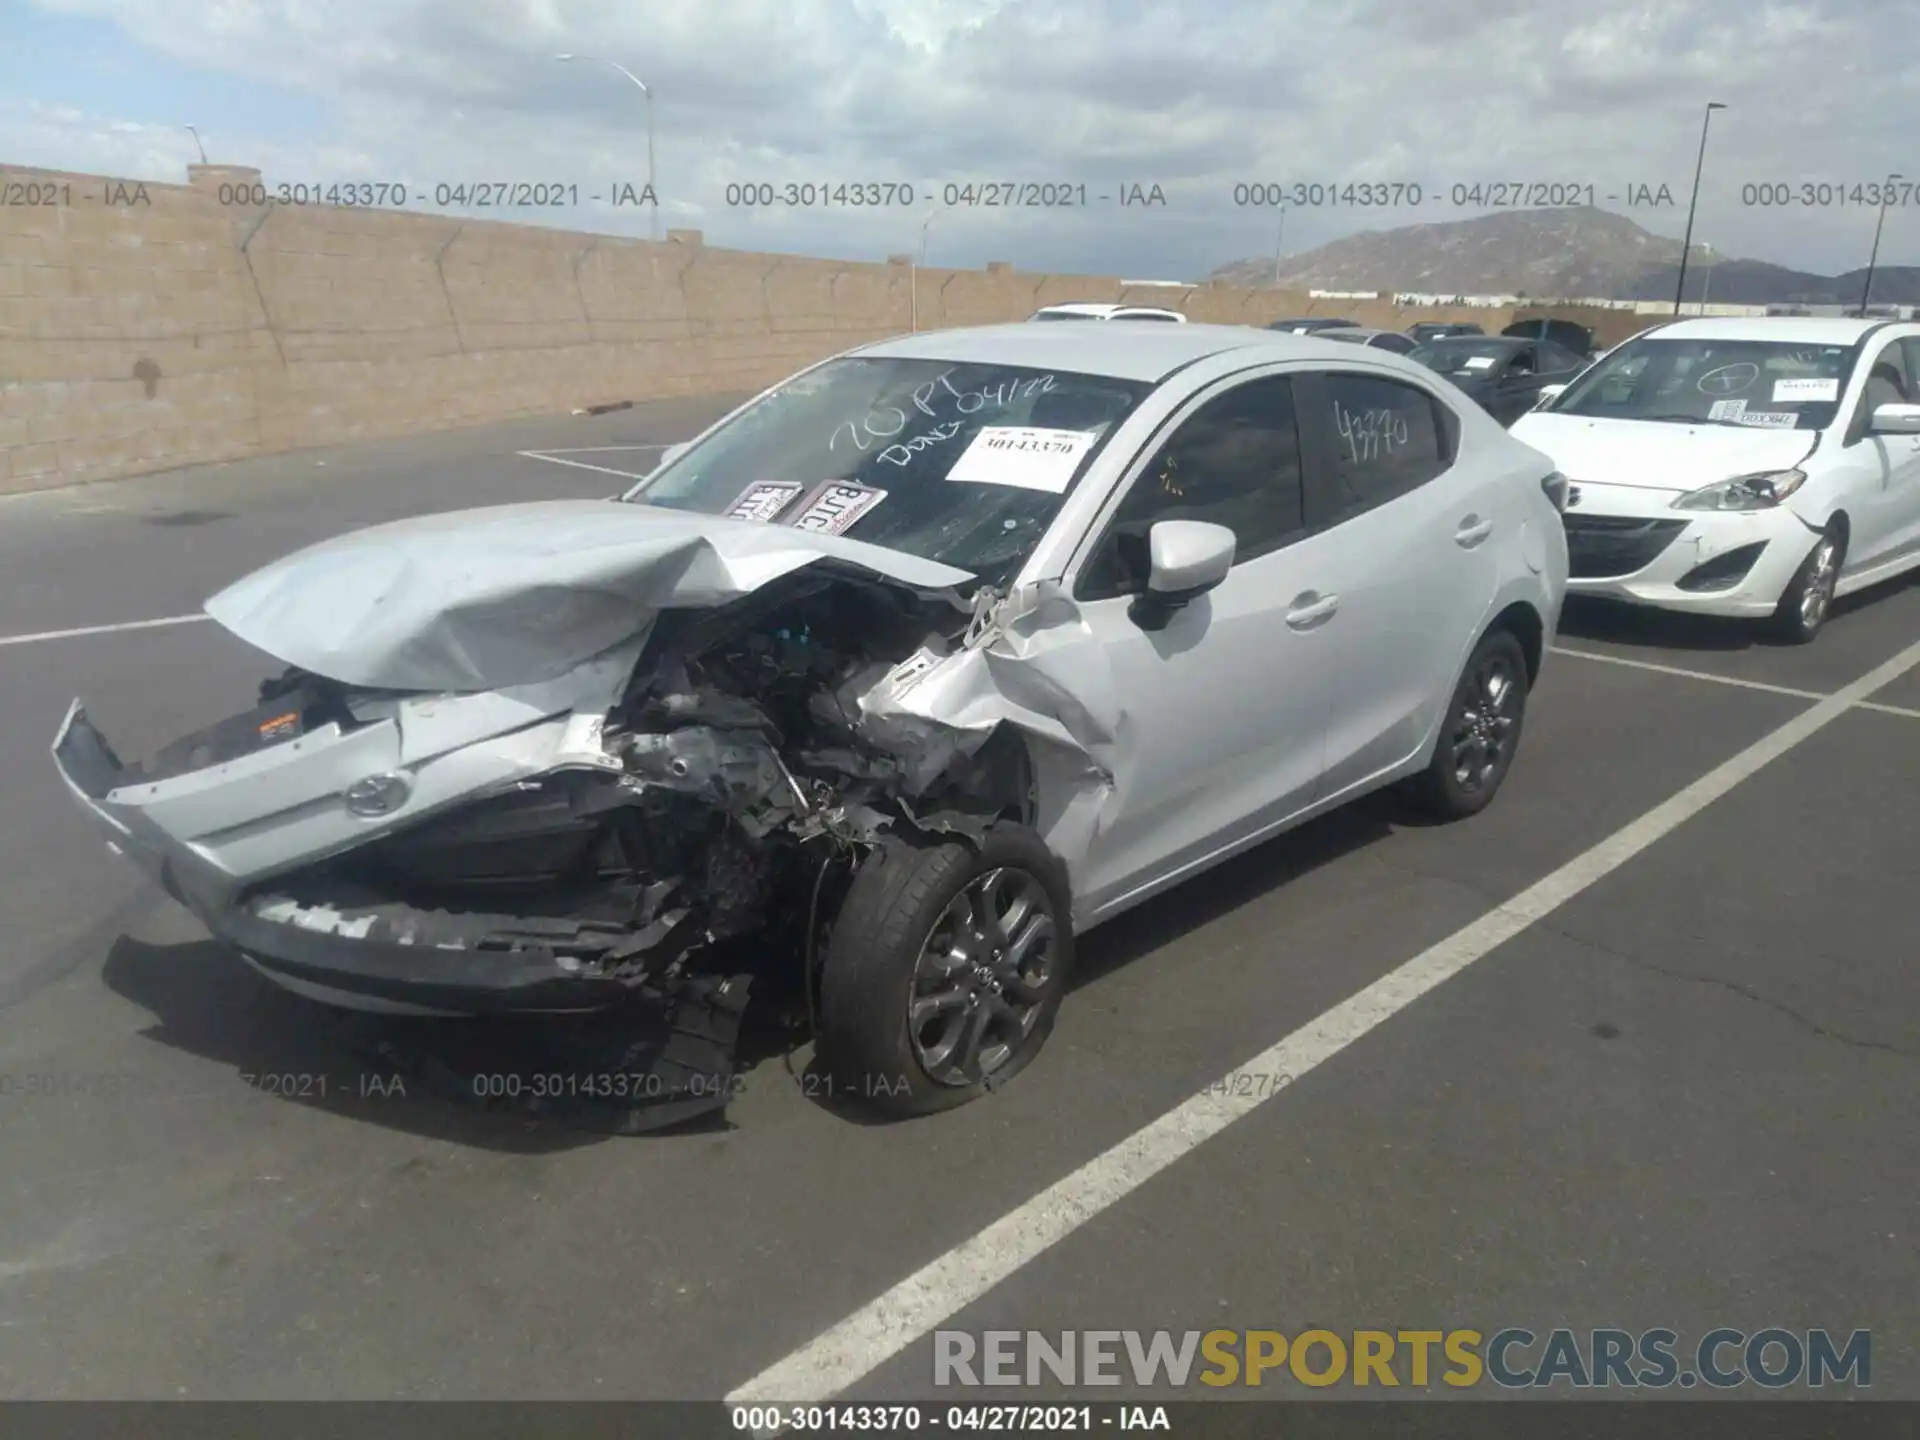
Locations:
column 1574, row 252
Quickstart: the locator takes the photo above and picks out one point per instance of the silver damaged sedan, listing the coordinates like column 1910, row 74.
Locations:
column 882, row 690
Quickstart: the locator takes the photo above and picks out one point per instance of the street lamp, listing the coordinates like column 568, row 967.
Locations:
column 1706, row 274
column 1699, row 161
column 1279, row 235
column 1866, row 290
column 913, row 271
column 196, row 140
column 648, row 92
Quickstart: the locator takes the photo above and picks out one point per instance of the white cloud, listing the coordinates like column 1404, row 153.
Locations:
column 1192, row 96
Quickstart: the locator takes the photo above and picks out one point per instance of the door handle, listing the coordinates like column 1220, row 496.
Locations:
column 1310, row 608
column 1472, row 531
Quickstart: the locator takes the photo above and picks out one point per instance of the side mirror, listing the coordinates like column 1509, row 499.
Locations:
column 1548, row 393
column 1185, row 559
column 1887, row 420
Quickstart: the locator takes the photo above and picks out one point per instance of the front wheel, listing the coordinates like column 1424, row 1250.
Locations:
column 1480, row 733
column 945, row 969
column 1808, row 598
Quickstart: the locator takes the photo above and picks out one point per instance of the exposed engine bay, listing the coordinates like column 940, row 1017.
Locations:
column 743, row 769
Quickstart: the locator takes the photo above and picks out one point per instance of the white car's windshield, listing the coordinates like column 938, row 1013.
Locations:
column 1766, row 383
column 961, row 463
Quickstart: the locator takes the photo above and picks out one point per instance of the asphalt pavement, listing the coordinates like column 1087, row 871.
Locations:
column 1678, row 1091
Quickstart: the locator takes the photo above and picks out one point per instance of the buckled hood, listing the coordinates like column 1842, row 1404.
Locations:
column 514, row 594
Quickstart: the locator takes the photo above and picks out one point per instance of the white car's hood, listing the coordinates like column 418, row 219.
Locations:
column 1659, row 455
column 514, row 594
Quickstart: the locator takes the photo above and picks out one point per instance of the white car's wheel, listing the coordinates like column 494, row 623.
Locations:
column 1808, row 598
column 1481, row 731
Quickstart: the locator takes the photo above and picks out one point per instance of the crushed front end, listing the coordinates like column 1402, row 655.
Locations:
column 658, row 818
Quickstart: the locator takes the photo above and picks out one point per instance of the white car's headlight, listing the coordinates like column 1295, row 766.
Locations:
column 1744, row 492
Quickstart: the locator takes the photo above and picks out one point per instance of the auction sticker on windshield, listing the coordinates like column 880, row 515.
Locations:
column 1726, row 409
column 1026, row 456
column 1478, row 362
column 1805, row 388
column 766, row 500
column 1768, row 419
column 834, row 506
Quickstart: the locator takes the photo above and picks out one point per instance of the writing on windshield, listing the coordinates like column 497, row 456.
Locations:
column 940, row 400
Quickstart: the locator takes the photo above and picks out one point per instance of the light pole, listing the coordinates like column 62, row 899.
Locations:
column 1866, row 290
column 1706, row 274
column 196, row 140
column 1699, row 161
column 647, row 91
column 913, row 271
column 1279, row 235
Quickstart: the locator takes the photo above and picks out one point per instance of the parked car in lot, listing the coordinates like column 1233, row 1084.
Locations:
column 1755, row 467
column 1311, row 325
column 1568, row 335
column 1076, row 310
column 1426, row 330
column 1392, row 341
column 892, row 682
column 1505, row 377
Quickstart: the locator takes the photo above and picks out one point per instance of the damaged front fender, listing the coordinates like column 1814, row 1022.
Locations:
column 1031, row 663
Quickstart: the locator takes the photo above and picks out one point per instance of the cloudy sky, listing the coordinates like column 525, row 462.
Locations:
column 1195, row 97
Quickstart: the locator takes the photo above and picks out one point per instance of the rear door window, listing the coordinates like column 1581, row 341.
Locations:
column 1376, row 440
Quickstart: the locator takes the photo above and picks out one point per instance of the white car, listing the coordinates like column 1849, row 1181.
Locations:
column 1087, row 310
column 885, row 687
column 1755, row 467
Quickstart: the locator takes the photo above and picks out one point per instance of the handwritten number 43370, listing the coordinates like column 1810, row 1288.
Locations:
column 1369, row 434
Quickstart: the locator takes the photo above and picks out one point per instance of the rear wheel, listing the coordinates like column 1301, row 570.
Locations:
column 1480, row 733
column 1808, row 598
column 945, row 969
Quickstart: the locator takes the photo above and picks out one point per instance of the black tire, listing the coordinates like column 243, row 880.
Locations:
column 1808, row 599
column 1452, row 788
column 903, row 898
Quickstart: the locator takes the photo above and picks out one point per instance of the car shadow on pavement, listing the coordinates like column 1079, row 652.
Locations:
column 1610, row 622
column 1586, row 617
column 511, row 1084
column 423, row 1076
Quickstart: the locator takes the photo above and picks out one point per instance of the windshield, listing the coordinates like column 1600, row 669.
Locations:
column 1764, row 383
column 966, row 464
column 1462, row 356
column 1064, row 315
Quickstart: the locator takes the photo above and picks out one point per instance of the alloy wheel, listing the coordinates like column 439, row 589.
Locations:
column 1483, row 735
column 981, row 977
column 1821, row 579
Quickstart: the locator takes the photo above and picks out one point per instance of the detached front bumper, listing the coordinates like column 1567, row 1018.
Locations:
column 418, row 964
column 1621, row 546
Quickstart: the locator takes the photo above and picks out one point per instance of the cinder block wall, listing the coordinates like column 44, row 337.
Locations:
column 150, row 327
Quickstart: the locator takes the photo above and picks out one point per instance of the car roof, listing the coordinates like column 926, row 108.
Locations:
column 1799, row 329
column 1125, row 352
column 1349, row 333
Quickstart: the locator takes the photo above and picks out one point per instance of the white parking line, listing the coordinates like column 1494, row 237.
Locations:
column 1735, row 680
column 590, row 449
column 841, row 1356
column 100, row 629
column 581, row 464
column 1689, row 674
